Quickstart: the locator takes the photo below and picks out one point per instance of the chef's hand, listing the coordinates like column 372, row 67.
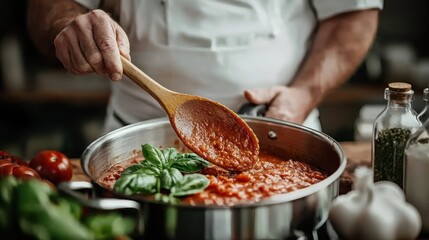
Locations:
column 93, row 42
column 285, row 103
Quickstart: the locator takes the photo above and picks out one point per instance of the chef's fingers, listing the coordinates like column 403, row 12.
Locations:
column 262, row 95
column 278, row 112
column 279, row 107
column 71, row 48
column 87, row 44
column 62, row 51
column 69, row 53
column 123, row 42
column 105, row 38
column 79, row 65
column 290, row 104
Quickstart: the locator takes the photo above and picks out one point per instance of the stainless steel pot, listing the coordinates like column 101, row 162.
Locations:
column 279, row 217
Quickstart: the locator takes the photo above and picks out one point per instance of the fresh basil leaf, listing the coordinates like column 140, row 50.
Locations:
column 176, row 175
column 170, row 154
column 190, row 184
column 166, row 198
column 150, row 168
column 165, row 178
column 192, row 156
column 153, row 155
column 8, row 183
column 169, row 177
column 39, row 192
column 42, row 218
column 6, row 201
column 136, row 183
column 109, row 226
column 40, row 212
column 144, row 167
column 189, row 162
column 69, row 205
column 132, row 169
column 161, row 169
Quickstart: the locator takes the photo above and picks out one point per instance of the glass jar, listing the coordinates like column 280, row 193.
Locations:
column 424, row 114
column 392, row 128
column 417, row 173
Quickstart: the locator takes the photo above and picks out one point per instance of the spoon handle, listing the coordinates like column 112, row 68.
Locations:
column 155, row 89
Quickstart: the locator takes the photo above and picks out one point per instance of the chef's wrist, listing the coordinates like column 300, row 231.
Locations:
column 58, row 25
column 314, row 92
column 47, row 18
column 63, row 19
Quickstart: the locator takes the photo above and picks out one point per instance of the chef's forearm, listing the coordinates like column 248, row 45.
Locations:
column 46, row 18
column 339, row 47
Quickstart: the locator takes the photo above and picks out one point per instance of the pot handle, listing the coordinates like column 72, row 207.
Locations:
column 251, row 109
column 72, row 189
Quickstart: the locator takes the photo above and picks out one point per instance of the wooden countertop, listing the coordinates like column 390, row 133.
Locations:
column 357, row 153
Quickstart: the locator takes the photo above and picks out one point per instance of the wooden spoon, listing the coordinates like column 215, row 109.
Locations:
column 208, row 128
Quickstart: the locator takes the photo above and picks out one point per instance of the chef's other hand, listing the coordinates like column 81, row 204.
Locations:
column 285, row 103
column 93, row 42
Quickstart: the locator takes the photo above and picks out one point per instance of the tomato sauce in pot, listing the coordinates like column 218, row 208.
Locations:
column 271, row 175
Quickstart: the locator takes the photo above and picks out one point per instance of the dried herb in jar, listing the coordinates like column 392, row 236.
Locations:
column 389, row 155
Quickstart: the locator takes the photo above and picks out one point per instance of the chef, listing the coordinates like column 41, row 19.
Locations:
column 288, row 54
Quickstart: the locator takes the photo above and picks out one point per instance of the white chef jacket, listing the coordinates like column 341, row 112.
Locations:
column 214, row 48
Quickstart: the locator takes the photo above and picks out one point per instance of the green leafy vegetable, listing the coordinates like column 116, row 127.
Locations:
column 6, row 201
column 169, row 177
column 137, row 183
column 154, row 155
column 166, row 198
column 162, row 169
column 47, row 219
column 32, row 209
column 170, row 154
column 108, row 225
column 190, row 184
column 144, row 167
column 189, row 162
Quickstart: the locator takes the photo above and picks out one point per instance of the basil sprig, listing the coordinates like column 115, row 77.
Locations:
column 31, row 209
column 163, row 169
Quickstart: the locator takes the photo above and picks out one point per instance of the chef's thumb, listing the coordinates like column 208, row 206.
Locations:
column 261, row 95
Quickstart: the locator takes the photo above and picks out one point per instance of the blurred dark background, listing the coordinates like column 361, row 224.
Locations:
column 44, row 107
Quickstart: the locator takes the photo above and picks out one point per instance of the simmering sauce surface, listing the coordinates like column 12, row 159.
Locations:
column 270, row 176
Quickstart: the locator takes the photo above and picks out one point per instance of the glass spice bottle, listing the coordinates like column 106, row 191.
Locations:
column 424, row 114
column 416, row 173
column 392, row 129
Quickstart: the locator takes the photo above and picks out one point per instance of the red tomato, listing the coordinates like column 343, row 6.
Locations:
column 19, row 171
column 4, row 155
column 18, row 160
column 6, row 167
column 12, row 158
column 53, row 166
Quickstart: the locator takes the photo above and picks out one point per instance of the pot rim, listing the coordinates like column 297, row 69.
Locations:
column 276, row 199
